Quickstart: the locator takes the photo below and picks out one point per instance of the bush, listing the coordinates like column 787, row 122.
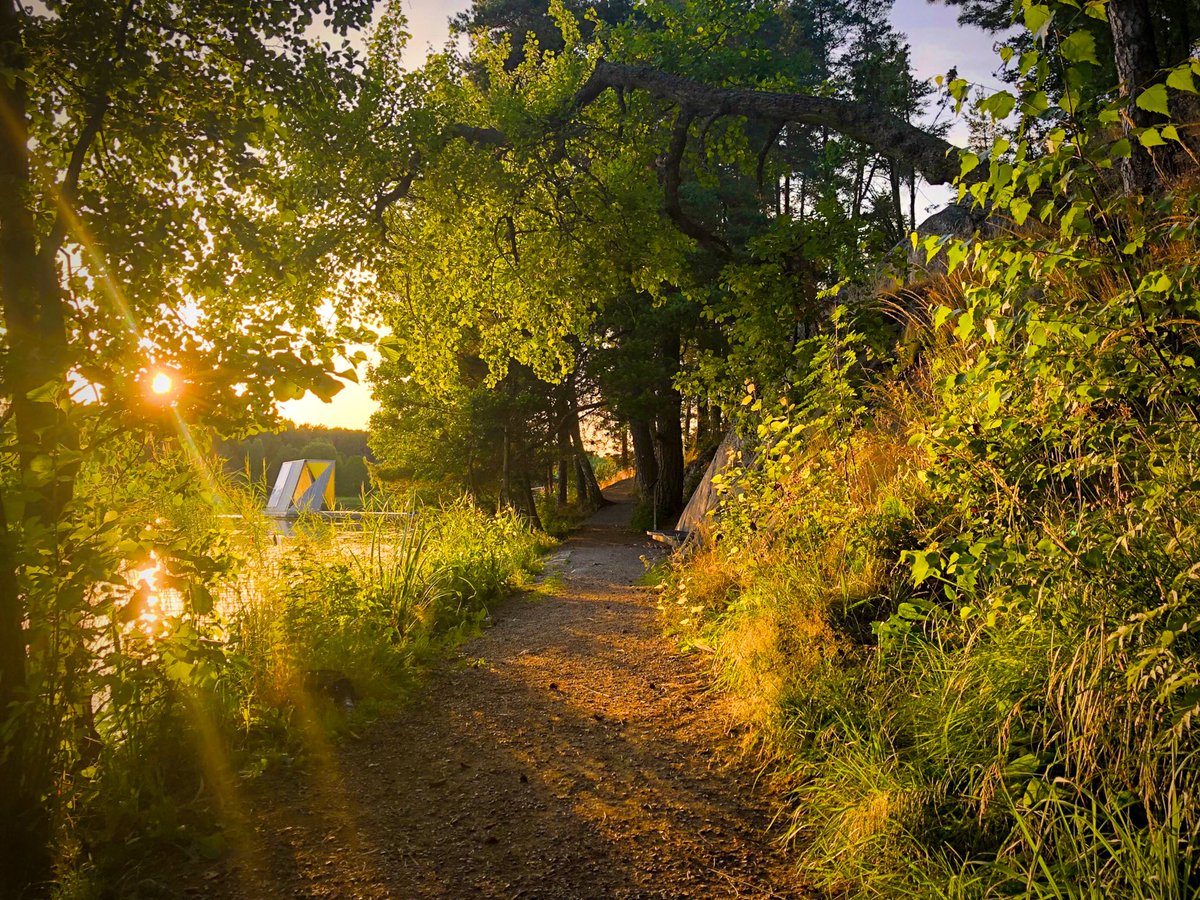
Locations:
column 960, row 606
column 190, row 694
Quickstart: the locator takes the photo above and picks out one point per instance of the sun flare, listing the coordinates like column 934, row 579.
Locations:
column 161, row 383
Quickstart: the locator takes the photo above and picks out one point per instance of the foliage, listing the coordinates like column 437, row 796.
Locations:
column 190, row 698
column 184, row 205
column 957, row 600
column 495, row 229
column 164, row 214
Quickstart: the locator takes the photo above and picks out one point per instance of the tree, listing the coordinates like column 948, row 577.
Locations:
column 1135, row 40
column 515, row 21
column 149, row 203
column 541, row 208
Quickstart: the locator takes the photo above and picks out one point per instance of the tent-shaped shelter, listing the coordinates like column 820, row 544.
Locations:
column 303, row 485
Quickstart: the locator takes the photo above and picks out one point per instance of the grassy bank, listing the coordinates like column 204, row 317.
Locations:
column 955, row 591
column 288, row 643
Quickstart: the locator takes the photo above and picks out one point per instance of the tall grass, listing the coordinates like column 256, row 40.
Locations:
column 303, row 629
column 957, row 602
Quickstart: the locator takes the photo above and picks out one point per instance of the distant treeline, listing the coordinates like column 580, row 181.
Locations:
column 262, row 455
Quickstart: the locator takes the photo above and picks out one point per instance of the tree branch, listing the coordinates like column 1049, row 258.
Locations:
column 97, row 110
column 484, row 137
column 929, row 154
column 671, row 180
column 400, row 191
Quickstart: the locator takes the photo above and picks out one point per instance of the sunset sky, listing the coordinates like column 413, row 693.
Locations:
column 938, row 43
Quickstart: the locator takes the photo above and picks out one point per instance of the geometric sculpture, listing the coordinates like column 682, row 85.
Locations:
column 303, row 485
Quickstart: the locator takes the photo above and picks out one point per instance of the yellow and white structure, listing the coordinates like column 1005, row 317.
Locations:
column 303, row 485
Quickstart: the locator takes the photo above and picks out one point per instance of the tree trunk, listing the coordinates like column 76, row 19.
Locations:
column 589, row 487
column 668, row 445
column 912, row 201
column 1136, row 59
column 668, row 438
column 564, row 463
column 644, row 460
column 897, row 204
column 505, row 473
column 856, row 203
column 529, row 510
column 36, row 356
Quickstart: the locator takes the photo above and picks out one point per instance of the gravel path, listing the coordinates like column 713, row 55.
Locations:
column 569, row 752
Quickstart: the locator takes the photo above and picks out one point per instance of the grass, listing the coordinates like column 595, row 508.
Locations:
column 965, row 636
column 262, row 681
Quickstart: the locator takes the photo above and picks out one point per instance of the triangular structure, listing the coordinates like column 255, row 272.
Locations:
column 303, row 485
column 695, row 516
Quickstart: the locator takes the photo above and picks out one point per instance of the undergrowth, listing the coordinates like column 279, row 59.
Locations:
column 297, row 640
column 956, row 598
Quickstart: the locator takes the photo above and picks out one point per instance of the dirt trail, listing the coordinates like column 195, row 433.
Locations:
column 568, row 753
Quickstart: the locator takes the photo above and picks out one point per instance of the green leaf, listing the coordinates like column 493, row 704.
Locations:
column 286, row 389
column 998, row 105
column 326, row 387
column 1180, row 78
column 1020, row 210
column 933, row 245
column 1069, row 101
column 1037, row 19
column 1154, row 99
column 1035, row 104
column 924, row 565
column 202, row 599
column 1150, row 138
column 45, row 393
column 1080, row 46
column 955, row 255
column 1120, row 149
column 969, row 162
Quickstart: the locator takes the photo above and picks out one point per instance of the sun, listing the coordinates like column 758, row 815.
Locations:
column 162, row 383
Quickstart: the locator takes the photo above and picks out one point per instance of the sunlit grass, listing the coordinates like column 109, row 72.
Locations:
column 191, row 706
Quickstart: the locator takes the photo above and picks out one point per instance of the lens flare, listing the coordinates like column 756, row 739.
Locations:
column 161, row 383
column 150, row 618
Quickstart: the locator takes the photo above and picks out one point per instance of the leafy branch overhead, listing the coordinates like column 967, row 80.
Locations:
column 925, row 152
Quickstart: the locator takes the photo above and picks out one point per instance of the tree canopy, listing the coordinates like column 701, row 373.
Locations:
column 640, row 213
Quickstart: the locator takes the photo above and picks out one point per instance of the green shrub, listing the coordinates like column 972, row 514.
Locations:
column 962, row 604
column 194, row 697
